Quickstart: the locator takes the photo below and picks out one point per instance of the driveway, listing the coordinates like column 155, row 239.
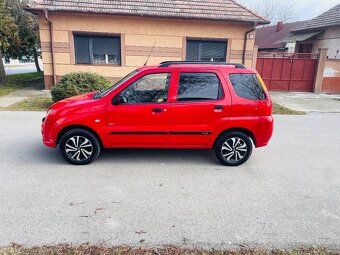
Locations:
column 288, row 194
column 308, row 102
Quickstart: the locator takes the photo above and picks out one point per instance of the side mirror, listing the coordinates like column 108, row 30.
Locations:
column 116, row 100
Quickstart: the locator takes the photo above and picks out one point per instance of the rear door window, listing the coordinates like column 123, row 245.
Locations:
column 247, row 86
column 199, row 87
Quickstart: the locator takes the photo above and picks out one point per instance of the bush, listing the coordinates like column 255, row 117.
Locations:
column 73, row 84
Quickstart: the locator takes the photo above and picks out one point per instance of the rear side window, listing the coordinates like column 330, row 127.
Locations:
column 247, row 86
column 199, row 87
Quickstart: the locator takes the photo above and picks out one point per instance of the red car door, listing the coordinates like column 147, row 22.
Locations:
column 202, row 102
column 142, row 116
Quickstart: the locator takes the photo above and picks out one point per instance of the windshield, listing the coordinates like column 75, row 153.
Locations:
column 103, row 93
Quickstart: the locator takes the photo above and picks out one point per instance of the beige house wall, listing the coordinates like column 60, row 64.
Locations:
column 138, row 34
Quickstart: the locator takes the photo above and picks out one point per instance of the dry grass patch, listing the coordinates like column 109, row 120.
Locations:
column 99, row 250
column 30, row 104
column 279, row 109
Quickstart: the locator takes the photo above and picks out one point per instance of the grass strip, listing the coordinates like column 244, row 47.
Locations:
column 279, row 109
column 30, row 104
column 170, row 250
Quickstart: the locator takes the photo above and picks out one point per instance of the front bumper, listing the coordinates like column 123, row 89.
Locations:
column 47, row 132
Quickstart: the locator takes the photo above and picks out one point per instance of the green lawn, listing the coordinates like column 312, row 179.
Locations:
column 279, row 109
column 18, row 81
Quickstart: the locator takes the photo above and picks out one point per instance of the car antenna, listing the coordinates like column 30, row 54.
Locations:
column 150, row 53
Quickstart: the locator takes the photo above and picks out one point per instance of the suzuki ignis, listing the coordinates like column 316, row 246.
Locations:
column 187, row 105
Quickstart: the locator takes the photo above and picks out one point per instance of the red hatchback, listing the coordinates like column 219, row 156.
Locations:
column 219, row 106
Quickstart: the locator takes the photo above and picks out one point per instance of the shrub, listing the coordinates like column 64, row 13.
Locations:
column 73, row 84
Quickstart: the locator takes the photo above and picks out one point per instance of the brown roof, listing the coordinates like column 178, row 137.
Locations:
column 268, row 37
column 226, row 10
column 326, row 19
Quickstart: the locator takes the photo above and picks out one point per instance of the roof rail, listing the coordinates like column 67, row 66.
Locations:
column 169, row 63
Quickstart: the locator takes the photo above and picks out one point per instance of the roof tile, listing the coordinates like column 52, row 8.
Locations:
column 227, row 10
column 326, row 19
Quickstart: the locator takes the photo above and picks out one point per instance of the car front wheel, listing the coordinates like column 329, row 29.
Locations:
column 79, row 147
column 233, row 149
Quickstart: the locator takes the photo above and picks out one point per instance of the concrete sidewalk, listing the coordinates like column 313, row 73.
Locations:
column 22, row 94
column 307, row 102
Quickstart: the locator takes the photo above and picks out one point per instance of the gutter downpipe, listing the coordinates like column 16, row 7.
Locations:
column 52, row 46
column 245, row 43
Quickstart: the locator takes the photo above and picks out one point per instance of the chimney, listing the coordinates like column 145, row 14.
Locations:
column 279, row 26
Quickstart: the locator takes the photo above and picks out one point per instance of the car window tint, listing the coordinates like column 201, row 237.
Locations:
column 151, row 88
column 247, row 86
column 199, row 87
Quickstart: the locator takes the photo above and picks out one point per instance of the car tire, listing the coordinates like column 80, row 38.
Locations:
column 233, row 149
column 79, row 147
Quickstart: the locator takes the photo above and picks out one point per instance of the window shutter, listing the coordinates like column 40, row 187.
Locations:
column 192, row 50
column 213, row 51
column 82, row 51
column 110, row 46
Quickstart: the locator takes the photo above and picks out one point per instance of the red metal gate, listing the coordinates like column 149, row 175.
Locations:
column 287, row 72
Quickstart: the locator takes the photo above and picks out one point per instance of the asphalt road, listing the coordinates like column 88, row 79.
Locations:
column 28, row 68
column 288, row 194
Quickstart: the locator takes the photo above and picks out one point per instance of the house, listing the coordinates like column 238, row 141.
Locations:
column 114, row 37
column 320, row 32
column 268, row 38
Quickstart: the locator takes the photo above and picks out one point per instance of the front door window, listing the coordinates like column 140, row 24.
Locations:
column 151, row 88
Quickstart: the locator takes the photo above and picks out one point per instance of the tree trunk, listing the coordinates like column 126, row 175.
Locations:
column 36, row 61
column 2, row 70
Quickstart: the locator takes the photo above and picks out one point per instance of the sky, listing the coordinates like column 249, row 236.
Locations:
column 305, row 9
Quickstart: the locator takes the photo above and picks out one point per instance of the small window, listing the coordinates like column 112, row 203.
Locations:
column 97, row 50
column 208, row 51
column 247, row 86
column 199, row 87
column 151, row 88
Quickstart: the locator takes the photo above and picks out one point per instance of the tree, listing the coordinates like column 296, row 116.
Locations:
column 8, row 35
column 277, row 10
column 28, row 43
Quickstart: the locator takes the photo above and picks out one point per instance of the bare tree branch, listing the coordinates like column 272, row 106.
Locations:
column 277, row 10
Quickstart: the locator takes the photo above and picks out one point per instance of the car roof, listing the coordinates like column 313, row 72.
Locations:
column 222, row 66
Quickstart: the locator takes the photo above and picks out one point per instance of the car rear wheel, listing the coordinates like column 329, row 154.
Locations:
column 233, row 149
column 79, row 147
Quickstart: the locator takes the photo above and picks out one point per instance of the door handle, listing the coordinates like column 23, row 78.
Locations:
column 157, row 110
column 219, row 107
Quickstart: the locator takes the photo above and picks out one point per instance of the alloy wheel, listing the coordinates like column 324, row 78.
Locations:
column 78, row 148
column 234, row 149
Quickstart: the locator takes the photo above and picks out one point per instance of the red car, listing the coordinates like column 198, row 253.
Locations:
column 188, row 105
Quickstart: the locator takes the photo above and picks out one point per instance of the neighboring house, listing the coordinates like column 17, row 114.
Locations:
column 114, row 37
column 268, row 38
column 320, row 32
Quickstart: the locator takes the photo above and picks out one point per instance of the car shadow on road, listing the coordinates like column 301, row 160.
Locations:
column 169, row 156
column 139, row 156
column 45, row 155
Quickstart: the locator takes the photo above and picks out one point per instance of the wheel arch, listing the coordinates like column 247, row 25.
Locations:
column 70, row 127
column 237, row 129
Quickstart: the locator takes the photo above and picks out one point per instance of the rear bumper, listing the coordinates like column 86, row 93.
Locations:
column 264, row 131
column 47, row 132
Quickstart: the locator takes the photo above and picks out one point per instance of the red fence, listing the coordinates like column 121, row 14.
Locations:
column 287, row 72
